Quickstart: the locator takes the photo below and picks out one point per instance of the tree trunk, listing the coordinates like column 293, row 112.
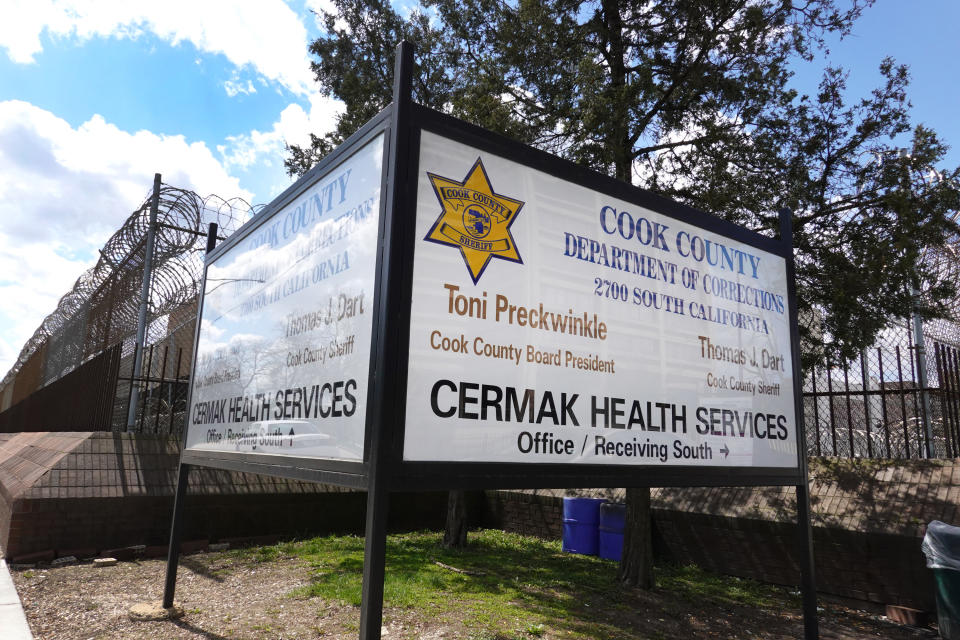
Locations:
column 636, row 563
column 455, row 536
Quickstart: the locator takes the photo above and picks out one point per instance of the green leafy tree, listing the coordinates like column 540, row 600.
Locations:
column 690, row 99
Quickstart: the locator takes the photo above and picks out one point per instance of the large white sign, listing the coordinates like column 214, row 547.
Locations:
column 283, row 353
column 552, row 323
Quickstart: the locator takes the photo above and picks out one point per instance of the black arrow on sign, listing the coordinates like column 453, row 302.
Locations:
column 291, row 434
column 725, row 451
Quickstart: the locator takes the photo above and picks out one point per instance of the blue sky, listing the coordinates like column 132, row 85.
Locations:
column 919, row 33
column 95, row 97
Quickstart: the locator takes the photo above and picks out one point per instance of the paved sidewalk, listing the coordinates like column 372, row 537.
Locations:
column 12, row 619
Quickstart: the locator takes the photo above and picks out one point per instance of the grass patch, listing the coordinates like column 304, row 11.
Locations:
column 496, row 567
column 506, row 586
column 694, row 584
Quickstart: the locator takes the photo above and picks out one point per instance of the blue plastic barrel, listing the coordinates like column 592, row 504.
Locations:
column 581, row 517
column 612, row 519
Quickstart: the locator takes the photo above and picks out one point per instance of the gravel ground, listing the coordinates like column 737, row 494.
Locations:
column 228, row 596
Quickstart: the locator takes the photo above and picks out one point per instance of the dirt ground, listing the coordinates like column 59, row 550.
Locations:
column 228, row 596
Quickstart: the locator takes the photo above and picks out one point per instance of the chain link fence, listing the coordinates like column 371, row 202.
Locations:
column 899, row 399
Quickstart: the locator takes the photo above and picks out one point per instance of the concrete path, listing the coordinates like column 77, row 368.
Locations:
column 13, row 622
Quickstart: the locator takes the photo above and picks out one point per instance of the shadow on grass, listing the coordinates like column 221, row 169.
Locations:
column 504, row 579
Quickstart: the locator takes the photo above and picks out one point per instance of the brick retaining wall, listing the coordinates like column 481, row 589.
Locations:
column 869, row 518
column 67, row 491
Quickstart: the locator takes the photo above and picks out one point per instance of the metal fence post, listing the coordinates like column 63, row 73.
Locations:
column 922, row 376
column 865, row 374
column 144, row 303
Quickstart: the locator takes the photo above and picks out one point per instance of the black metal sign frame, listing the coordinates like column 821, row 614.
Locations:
column 329, row 471
column 383, row 468
column 473, row 475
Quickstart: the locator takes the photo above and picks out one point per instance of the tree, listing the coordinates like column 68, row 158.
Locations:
column 868, row 216
column 455, row 535
column 690, row 99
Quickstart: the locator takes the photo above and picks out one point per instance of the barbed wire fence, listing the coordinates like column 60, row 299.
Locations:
column 98, row 320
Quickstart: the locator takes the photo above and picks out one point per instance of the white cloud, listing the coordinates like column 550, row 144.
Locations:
column 235, row 86
column 90, row 178
column 319, row 7
column 64, row 191
column 8, row 353
column 265, row 34
column 293, row 127
column 34, row 279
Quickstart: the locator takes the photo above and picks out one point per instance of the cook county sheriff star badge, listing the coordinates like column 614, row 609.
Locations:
column 475, row 219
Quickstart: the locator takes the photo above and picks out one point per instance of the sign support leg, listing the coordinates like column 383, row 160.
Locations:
column 176, row 531
column 808, row 587
column 374, row 562
column 380, row 450
column 183, row 472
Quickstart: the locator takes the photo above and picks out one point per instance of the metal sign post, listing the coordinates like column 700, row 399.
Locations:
column 386, row 391
column 183, row 478
column 808, row 586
